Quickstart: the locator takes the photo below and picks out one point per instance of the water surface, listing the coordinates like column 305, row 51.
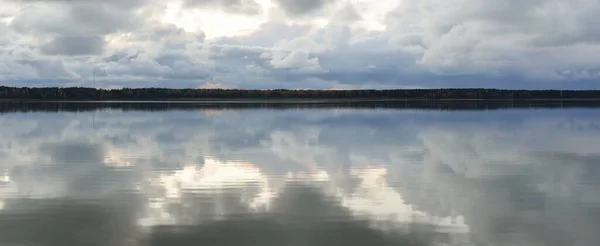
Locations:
column 299, row 176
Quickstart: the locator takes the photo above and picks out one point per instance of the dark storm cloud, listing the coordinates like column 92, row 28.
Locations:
column 74, row 46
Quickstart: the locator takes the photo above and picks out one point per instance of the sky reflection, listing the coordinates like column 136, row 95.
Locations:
column 179, row 177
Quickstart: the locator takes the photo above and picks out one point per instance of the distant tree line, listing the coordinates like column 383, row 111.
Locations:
column 82, row 93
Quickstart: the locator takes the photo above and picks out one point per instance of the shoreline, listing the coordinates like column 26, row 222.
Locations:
column 305, row 101
column 86, row 94
column 13, row 106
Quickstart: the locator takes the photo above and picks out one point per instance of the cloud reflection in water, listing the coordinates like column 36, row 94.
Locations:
column 311, row 177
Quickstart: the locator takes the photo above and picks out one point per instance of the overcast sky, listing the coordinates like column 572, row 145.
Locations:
column 301, row 43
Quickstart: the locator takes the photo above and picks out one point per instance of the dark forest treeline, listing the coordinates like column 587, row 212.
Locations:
column 81, row 93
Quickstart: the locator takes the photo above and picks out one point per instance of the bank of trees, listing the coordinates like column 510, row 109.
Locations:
column 81, row 93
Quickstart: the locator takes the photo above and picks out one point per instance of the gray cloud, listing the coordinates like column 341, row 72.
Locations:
column 493, row 36
column 296, row 8
column 232, row 6
column 121, row 4
column 74, row 45
column 78, row 18
column 45, row 68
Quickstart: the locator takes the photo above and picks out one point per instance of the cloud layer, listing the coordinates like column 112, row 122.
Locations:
column 301, row 44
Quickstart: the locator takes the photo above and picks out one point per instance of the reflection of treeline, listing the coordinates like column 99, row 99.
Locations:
column 22, row 106
column 80, row 93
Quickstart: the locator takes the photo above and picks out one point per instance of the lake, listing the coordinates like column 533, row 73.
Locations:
column 414, row 174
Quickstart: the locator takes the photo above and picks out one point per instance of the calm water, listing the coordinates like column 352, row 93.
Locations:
column 321, row 176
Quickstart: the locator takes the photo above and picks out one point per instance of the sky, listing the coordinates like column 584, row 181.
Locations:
column 322, row 44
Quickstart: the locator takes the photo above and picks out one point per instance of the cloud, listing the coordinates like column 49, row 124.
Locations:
column 233, row 6
column 74, row 45
column 299, row 8
column 295, row 59
column 347, row 14
column 387, row 43
column 492, row 36
column 77, row 18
